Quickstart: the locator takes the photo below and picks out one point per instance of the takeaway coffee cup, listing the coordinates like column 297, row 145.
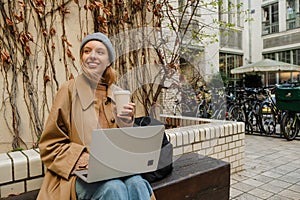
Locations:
column 122, row 98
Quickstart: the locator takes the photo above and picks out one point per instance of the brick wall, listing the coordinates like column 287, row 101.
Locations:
column 20, row 171
column 23, row 171
column 224, row 140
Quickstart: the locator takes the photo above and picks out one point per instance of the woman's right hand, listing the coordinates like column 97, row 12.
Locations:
column 82, row 162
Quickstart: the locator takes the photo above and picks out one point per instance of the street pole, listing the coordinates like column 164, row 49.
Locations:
column 249, row 33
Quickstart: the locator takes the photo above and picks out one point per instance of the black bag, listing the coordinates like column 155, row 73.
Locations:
column 165, row 163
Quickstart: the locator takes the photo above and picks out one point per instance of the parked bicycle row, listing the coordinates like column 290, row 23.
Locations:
column 256, row 107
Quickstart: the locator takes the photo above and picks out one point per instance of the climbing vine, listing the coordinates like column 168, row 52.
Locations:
column 39, row 50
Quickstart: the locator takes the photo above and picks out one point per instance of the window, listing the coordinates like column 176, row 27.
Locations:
column 189, row 7
column 181, row 5
column 222, row 11
column 285, row 56
column 194, row 8
column 227, row 62
column 290, row 10
column 239, row 16
column 270, row 23
column 292, row 14
column 231, row 39
column 296, row 56
column 230, row 12
column 289, row 56
column 270, row 56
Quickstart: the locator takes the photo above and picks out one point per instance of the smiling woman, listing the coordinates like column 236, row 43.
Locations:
column 82, row 105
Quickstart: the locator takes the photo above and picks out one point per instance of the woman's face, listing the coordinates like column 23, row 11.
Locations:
column 95, row 58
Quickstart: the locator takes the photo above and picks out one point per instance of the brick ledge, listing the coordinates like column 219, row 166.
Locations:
column 23, row 171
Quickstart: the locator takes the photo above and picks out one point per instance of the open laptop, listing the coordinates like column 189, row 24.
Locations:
column 119, row 152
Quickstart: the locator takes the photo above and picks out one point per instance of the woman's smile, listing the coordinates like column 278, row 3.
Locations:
column 93, row 65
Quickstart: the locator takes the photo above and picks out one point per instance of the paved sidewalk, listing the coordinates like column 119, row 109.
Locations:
column 272, row 170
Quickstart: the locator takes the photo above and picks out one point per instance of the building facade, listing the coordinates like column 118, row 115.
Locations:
column 280, row 35
column 271, row 30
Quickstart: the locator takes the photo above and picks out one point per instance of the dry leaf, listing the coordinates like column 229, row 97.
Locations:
column 20, row 17
column 44, row 31
column 39, row 11
column 92, row 6
column 40, row 3
column 99, row 4
column 119, row 2
column 64, row 10
column 5, row 57
column 71, row 76
column 27, row 50
column 52, row 31
column 107, row 11
column 21, row 4
column 101, row 19
column 70, row 55
column 29, row 36
column 9, row 22
column 46, row 79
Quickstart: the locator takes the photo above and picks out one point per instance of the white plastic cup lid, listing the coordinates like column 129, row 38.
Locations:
column 122, row 92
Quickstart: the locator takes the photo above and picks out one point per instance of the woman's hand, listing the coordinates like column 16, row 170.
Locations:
column 125, row 118
column 127, row 113
column 82, row 162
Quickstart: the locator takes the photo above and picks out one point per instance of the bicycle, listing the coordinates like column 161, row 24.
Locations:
column 212, row 104
column 290, row 125
column 218, row 104
column 185, row 103
column 288, row 98
column 203, row 109
column 237, row 111
column 270, row 114
column 253, row 110
column 246, row 109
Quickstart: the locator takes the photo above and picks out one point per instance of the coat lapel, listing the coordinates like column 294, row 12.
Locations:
column 85, row 92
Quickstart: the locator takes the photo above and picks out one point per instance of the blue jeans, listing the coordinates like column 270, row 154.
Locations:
column 131, row 188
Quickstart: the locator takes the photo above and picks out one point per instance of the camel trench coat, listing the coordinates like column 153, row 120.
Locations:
column 67, row 134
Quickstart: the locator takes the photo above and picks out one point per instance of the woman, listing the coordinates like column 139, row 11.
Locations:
column 81, row 105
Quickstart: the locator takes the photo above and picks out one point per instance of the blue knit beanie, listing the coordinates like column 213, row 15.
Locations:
column 102, row 38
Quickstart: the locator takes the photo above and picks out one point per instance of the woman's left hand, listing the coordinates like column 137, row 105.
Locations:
column 127, row 113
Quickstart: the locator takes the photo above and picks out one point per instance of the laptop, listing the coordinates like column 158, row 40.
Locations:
column 120, row 152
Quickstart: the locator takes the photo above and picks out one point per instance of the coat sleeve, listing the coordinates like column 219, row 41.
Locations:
column 58, row 152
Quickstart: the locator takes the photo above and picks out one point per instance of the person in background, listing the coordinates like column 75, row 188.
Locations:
column 81, row 105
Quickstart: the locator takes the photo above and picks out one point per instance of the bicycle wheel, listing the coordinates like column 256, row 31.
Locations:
column 237, row 114
column 253, row 123
column 177, row 110
column 201, row 111
column 289, row 125
column 268, row 119
column 249, row 128
column 220, row 113
column 257, row 108
column 260, row 128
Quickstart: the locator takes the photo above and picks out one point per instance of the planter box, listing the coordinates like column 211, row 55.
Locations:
column 288, row 98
